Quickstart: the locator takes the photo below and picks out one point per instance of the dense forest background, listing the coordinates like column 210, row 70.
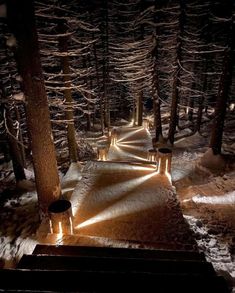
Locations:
column 102, row 61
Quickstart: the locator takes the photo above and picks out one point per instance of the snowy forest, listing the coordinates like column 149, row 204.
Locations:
column 73, row 73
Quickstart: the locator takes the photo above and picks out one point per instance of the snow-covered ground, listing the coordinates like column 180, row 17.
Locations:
column 207, row 200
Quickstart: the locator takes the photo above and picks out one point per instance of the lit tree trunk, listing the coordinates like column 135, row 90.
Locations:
column 71, row 134
column 22, row 22
column 175, row 92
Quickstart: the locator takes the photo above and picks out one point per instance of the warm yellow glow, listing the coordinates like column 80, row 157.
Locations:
column 130, row 133
column 102, row 154
column 124, row 206
column 71, row 225
column 116, row 166
column 131, row 124
column 60, row 229
column 168, row 175
column 151, row 155
column 59, row 239
column 50, row 223
column 128, row 146
column 129, row 155
column 146, row 124
column 159, row 165
column 130, row 142
column 113, row 140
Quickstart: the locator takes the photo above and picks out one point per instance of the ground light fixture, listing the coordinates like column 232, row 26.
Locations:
column 113, row 137
column 146, row 123
column 102, row 153
column 164, row 162
column 60, row 217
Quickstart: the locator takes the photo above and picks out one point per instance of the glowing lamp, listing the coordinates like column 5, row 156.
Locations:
column 60, row 217
column 114, row 137
column 102, row 153
column 146, row 124
column 152, row 155
column 164, row 161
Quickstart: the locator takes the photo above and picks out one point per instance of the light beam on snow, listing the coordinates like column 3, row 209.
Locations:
column 125, row 186
column 130, row 133
column 228, row 198
column 128, row 146
column 60, row 229
column 129, row 155
column 122, row 207
column 168, row 175
column 131, row 123
column 124, row 143
column 50, row 224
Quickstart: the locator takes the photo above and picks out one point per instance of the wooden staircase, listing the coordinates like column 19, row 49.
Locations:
column 102, row 269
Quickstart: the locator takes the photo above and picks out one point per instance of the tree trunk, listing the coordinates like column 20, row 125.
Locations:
column 15, row 153
column 21, row 146
column 88, row 82
column 71, row 133
column 175, row 92
column 190, row 109
column 224, row 85
column 221, row 103
column 98, row 86
column 155, row 92
column 139, row 108
column 13, row 143
column 202, row 98
column 174, row 104
column 106, row 104
column 22, row 22
column 134, row 112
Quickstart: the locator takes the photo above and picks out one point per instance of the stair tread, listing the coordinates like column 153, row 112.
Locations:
column 76, row 281
column 116, row 252
column 114, row 264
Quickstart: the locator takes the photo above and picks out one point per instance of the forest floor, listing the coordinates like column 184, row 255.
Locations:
column 207, row 200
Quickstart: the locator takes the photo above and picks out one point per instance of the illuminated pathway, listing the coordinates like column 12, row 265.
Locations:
column 128, row 202
column 132, row 145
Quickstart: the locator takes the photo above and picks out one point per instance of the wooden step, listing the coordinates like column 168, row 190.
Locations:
column 76, row 281
column 117, row 252
column 87, row 263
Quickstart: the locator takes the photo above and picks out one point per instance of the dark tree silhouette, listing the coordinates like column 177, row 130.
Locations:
column 22, row 22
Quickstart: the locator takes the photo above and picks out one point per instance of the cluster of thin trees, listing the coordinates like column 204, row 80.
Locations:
column 68, row 67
